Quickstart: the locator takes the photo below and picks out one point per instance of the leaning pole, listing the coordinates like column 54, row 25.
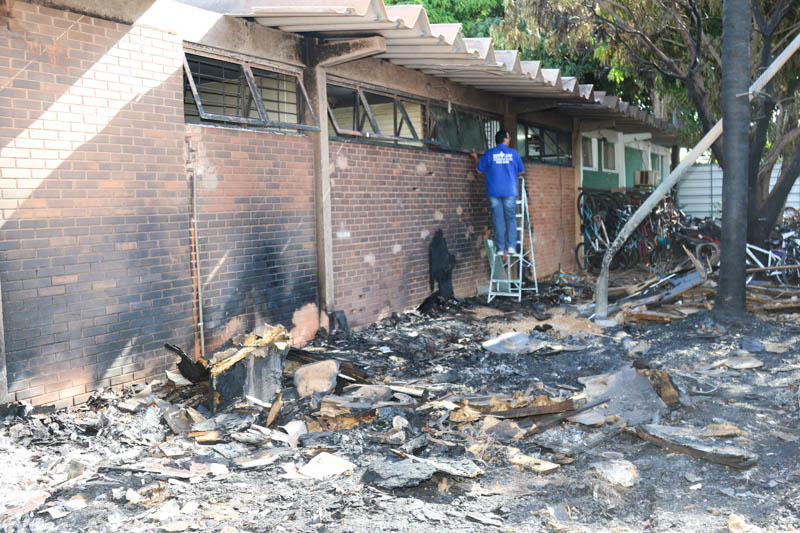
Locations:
column 601, row 288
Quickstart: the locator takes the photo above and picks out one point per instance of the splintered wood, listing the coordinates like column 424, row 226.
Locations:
column 276, row 336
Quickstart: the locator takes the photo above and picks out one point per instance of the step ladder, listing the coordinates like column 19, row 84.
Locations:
column 507, row 272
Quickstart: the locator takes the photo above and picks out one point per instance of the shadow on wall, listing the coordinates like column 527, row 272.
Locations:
column 94, row 236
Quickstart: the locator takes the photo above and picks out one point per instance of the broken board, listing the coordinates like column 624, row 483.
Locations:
column 688, row 442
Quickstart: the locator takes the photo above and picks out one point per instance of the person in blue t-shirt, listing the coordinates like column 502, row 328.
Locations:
column 502, row 165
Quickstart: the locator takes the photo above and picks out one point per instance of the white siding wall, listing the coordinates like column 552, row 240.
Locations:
column 700, row 191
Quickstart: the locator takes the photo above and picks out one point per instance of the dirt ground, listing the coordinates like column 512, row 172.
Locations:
column 82, row 470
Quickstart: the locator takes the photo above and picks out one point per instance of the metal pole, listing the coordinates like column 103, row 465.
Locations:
column 601, row 288
column 196, row 281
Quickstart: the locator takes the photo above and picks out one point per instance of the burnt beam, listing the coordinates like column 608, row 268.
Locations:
column 332, row 53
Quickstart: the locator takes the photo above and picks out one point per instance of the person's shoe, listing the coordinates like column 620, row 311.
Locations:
column 511, row 251
column 500, row 253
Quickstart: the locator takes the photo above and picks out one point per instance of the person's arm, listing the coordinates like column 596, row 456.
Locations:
column 474, row 155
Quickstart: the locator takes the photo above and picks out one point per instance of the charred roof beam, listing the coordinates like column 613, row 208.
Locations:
column 328, row 54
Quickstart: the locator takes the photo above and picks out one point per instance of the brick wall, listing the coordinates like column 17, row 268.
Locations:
column 551, row 196
column 256, row 228
column 94, row 239
column 387, row 204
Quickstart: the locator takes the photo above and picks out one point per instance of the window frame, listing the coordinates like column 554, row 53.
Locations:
column 263, row 121
column 604, row 166
column 540, row 157
column 399, row 97
column 593, row 149
column 455, row 110
column 362, row 102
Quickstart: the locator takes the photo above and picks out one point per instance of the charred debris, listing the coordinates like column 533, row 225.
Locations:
column 513, row 417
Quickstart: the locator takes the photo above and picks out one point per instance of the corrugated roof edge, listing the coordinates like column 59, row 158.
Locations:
column 441, row 50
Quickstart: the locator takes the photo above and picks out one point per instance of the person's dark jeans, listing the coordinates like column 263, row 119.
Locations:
column 504, row 219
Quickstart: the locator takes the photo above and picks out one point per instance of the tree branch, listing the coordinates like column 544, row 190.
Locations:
column 772, row 156
column 674, row 71
column 755, row 8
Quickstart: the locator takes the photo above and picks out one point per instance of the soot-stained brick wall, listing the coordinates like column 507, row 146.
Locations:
column 387, row 203
column 94, row 235
column 256, row 229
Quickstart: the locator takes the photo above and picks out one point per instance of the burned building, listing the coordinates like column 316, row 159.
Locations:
column 179, row 171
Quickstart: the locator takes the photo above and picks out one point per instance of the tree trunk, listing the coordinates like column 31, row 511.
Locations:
column 736, row 135
column 674, row 157
column 773, row 206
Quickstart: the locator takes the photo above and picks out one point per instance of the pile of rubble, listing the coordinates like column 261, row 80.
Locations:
column 522, row 419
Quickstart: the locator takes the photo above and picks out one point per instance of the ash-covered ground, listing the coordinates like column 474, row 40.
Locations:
column 101, row 468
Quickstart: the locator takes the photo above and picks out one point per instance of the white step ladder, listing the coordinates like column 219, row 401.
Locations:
column 507, row 272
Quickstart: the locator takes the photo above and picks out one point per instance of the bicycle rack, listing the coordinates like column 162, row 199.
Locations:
column 507, row 272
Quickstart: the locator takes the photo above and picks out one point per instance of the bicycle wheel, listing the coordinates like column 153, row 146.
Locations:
column 788, row 277
column 580, row 257
column 707, row 252
column 789, row 217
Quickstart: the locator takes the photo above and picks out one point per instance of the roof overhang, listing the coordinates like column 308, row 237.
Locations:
column 440, row 50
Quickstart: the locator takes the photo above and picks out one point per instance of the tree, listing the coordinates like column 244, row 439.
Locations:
column 674, row 47
column 476, row 16
column 736, row 123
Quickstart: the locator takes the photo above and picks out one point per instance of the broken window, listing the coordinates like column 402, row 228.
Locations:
column 221, row 91
column 544, row 145
column 462, row 129
column 443, row 126
column 355, row 112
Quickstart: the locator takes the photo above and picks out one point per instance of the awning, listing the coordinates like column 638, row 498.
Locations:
column 440, row 50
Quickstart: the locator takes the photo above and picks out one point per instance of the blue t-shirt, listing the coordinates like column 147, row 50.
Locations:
column 501, row 165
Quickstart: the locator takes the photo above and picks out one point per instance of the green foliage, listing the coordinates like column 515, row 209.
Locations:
column 645, row 50
column 477, row 16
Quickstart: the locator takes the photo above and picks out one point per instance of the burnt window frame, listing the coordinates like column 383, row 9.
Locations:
column 544, row 157
column 304, row 108
column 491, row 122
column 362, row 105
column 486, row 129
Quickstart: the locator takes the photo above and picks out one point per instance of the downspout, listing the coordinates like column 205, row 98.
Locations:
column 601, row 288
column 197, row 288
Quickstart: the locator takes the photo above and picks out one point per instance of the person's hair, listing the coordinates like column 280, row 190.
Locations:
column 500, row 136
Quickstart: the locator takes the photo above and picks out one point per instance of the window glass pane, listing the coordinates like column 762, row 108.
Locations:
column 522, row 144
column 343, row 103
column 491, row 126
column 565, row 148
column 279, row 94
column 472, row 132
column 443, row 126
column 415, row 114
column 221, row 85
column 363, row 123
column 190, row 112
column 550, row 146
column 534, row 142
column 382, row 108
column 609, row 159
column 586, row 149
